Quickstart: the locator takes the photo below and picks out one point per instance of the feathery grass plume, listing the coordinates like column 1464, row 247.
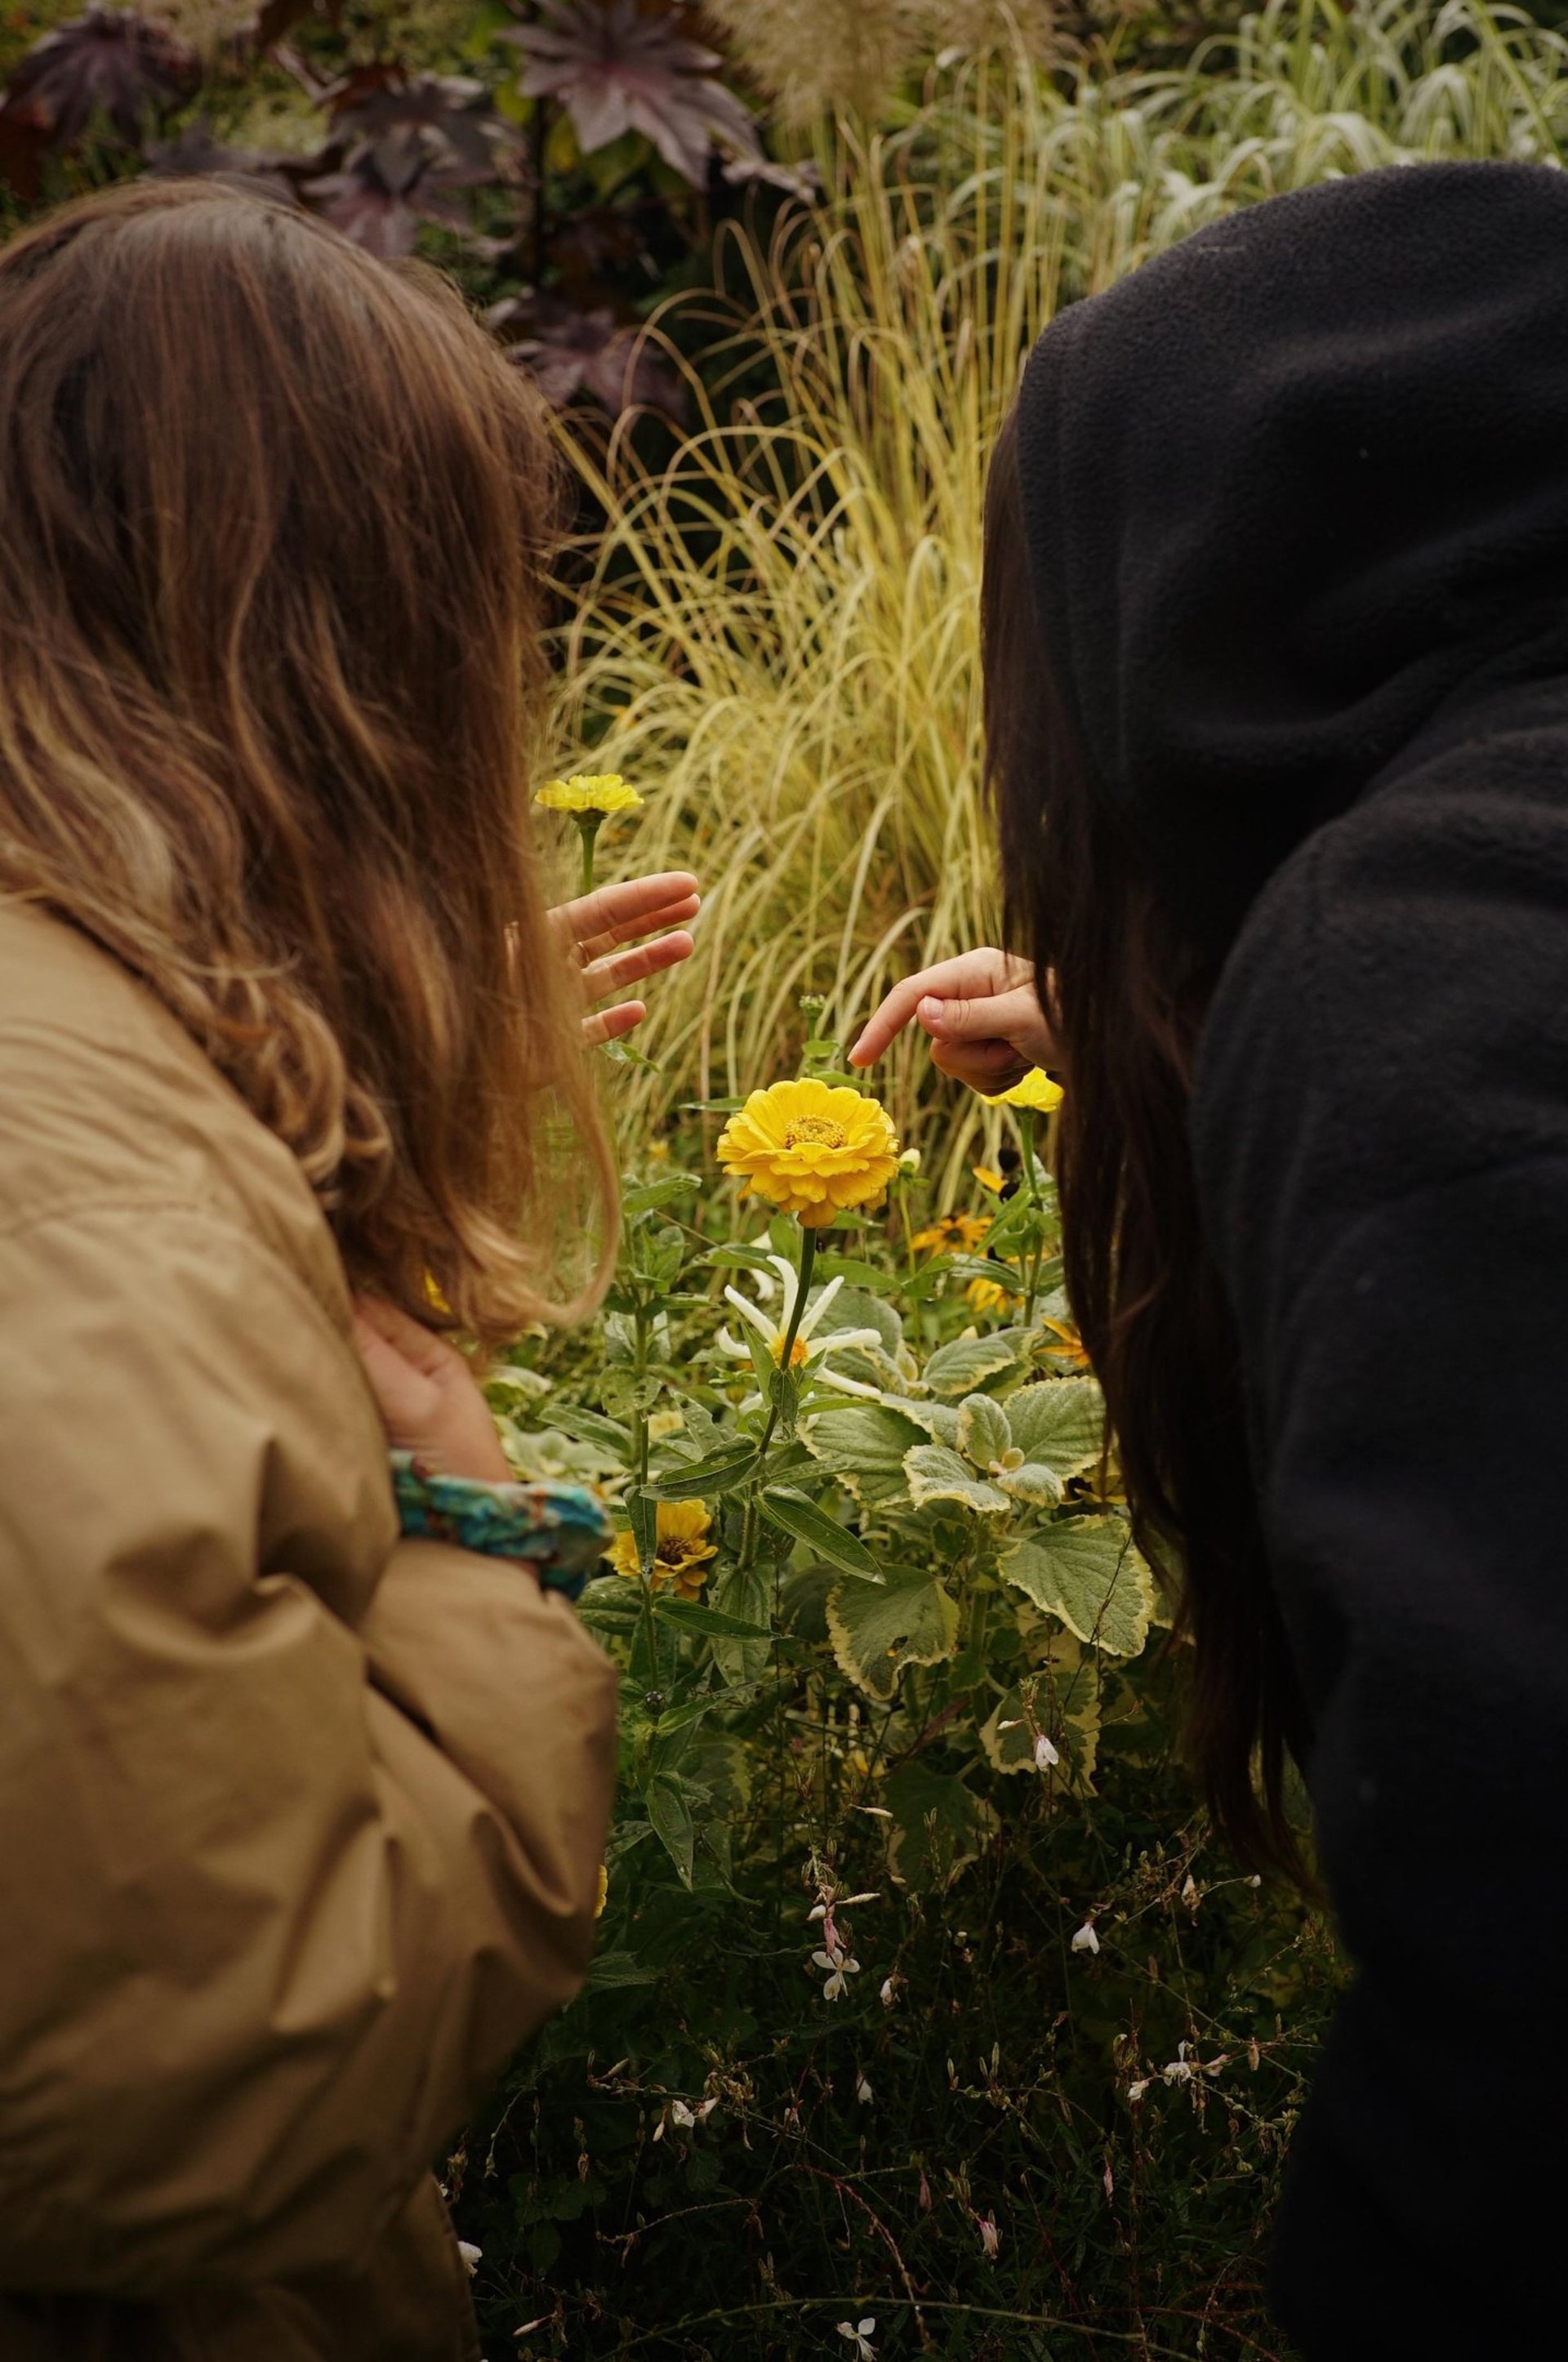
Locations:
column 821, row 57
column 781, row 625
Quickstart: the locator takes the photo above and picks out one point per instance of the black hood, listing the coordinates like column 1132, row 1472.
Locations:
column 1291, row 490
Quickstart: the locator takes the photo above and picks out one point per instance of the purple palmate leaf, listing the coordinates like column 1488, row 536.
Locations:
column 106, row 65
column 616, row 70
column 568, row 352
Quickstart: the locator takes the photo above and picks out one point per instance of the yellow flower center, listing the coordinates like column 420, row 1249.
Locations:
column 798, row 1352
column 815, row 1131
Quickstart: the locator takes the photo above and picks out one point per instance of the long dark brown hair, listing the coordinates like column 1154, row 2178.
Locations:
column 272, row 520
column 1126, row 994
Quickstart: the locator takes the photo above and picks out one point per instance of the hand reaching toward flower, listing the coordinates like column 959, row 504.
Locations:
column 982, row 1012
column 597, row 926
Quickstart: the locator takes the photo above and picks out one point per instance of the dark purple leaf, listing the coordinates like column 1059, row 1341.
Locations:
column 615, row 70
column 196, row 155
column 453, row 117
column 386, row 187
column 108, row 65
column 568, row 352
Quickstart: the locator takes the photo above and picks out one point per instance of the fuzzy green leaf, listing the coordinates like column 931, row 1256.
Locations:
column 983, row 1434
column 1086, row 1570
column 877, row 1630
column 963, row 1367
column 1040, row 1486
column 934, row 1474
column 865, row 1440
column 691, row 1615
column 1060, row 1422
column 721, row 1473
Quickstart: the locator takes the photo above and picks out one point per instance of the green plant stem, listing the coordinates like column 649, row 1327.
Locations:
column 808, row 1257
column 646, row 1558
column 589, row 826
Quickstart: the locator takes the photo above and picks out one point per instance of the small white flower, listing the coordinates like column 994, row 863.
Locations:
column 470, row 2255
column 1189, row 1893
column 1136, row 2091
column 991, row 2237
column 1085, row 1940
column 1178, row 2071
column 860, row 2337
column 1255, row 1880
column 773, row 1332
column 706, row 2110
column 863, row 2091
column 817, row 1911
column 839, row 1967
column 889, row 1991
column 910, row 1161
column 1045, row 1755
column 680, row 2114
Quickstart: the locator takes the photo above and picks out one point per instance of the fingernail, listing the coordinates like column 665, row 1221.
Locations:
column 854, row 1049
column 930, row 1013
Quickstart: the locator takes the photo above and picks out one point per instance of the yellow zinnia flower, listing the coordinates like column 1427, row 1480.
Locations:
column 952, row 1234
column 1036, row 1090
column 604, row 791
column 814, row 1148
column 683, row 1542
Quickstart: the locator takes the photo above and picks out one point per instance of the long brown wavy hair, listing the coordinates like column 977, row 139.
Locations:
column 1127, row 993
column 273, row 521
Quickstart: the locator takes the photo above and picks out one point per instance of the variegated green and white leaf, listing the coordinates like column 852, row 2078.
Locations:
column 940, row 1420
column 934, row 1474
column 1086, row 1570
column 1060, row 1422
column 878, row 1629
column 983, row 1434
column 969, row 1363
column 1040, row 1487
column 939, row 1826
column 862, row 1445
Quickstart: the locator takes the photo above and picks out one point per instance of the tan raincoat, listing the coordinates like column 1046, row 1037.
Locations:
column 299, row 1823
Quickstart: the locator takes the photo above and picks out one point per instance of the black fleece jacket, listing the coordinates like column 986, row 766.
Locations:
column 1298, row 503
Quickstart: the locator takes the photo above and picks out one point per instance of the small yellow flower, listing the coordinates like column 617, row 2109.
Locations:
column 988, row 1178
column 604, row 1895
column 1036, row 1090
column 985, row 1295
column 604, row 791
column 683, row 1543
column 952, row 1234
column 813, row 1148
column 1069, row 1345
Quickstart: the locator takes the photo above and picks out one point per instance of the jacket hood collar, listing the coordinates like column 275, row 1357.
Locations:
column 1292, row 489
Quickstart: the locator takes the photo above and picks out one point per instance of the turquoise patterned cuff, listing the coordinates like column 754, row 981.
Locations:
column 560, row 1530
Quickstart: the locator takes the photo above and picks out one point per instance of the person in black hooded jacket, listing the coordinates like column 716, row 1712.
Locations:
column 1277, row 682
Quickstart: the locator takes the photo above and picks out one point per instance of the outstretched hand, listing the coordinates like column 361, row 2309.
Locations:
column 596, row 926
column 982, row 1013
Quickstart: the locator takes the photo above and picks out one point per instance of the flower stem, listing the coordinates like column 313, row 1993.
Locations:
column 588, row 825
column 808, row 1257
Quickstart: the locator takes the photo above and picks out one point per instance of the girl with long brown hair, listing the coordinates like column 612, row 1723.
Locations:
column 1277, row 689
column 300, row 1819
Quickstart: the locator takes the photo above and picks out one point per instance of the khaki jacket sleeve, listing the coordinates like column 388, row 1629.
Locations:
column 283, row 1882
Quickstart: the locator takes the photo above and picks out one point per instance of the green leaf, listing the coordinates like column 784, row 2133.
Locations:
column 1060, row 1422
column 856, row 1275
column 691, row 1615
column 642, row 1512
column 737, row 1259
column 877, row 1630
column 1086, row 1570
column 593, row 1427
column 663, row 1192
column 939, row 1826
column 963, row 1367
column 1039, row 1485
column 612, row 1969
column 721, row 1473
column 982, row 1430
column 940, row 1420
column 794, row 1514
column 865, row 1440
column 744, row 1594
column 934, row 1474
column 671, row 1815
